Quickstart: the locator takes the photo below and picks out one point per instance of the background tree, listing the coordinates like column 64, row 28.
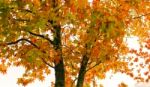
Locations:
column 81, row 41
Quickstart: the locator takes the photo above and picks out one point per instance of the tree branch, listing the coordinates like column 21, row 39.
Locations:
column 93, row 66
column 42, row 36
column 74, row 81
column 22, row 39
column 27, row 10
column 19, row 19
column 141, row 16
column 47, row 63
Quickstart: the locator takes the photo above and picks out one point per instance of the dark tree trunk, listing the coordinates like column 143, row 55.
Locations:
column 59, row 63
column 59, row 74
column 82, row 71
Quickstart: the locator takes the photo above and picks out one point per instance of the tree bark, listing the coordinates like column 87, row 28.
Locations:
column 82, row 71
column 59, row 63
column 59, row 74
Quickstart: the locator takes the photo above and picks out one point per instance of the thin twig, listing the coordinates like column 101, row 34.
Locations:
column 47, row 63
column 27, row 20
column 42, row 36
column 74, row 81
column 141, row 16
column 94, row 66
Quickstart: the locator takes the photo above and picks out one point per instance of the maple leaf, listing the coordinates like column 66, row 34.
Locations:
column 122, row 85
column 3, row 69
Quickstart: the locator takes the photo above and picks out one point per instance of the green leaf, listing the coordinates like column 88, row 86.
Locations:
column 87, row 85
column 75, row 41
column 30, row 59
column 28, row 28
column 103, row 27
column 32, row 55
column 41, row 23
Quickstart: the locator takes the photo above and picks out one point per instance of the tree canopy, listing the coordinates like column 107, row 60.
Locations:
column 80, row 40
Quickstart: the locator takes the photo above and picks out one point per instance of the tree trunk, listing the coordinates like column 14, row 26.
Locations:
column 82, row 71
column 59, row 64
column 59, row 74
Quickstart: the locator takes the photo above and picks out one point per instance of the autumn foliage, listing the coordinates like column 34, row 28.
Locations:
column 80, row 40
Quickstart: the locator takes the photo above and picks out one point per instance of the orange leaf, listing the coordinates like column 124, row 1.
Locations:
column 146, row 73
column 136, row 60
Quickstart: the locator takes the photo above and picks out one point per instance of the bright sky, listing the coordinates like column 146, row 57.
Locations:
column 111, row 80
column 13, row 73
column 10, row 79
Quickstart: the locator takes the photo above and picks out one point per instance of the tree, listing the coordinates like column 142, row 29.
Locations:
column 81, row 41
